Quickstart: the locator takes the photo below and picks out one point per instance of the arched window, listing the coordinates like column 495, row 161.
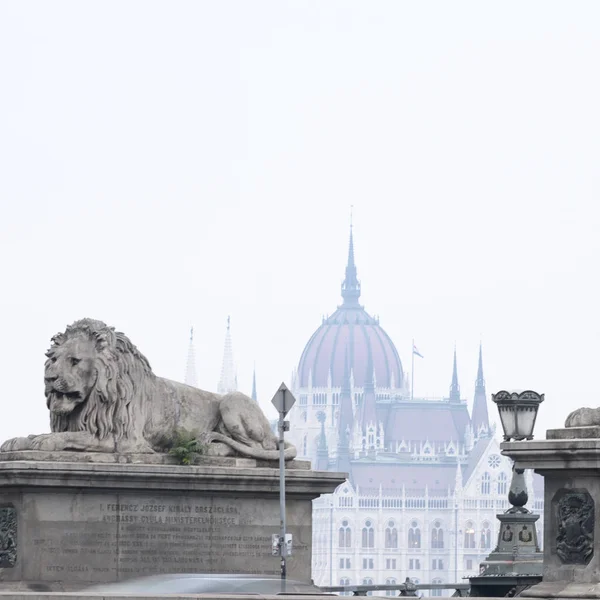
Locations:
column 391, row 581
column 371, row 438
column 414, row 536
column 486, row 536
column 368, row 535
column 391, row 535
column 469, row 535
column 485, row 484
column 502, row 484
column 436, row 592
column 345, row 581
column 368, row 581
column 345, row 536
column 437, row 535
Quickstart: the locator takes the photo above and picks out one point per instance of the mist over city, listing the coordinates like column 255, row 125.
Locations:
column 390, row 207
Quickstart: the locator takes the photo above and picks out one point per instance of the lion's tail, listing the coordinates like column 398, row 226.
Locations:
column 251, row 452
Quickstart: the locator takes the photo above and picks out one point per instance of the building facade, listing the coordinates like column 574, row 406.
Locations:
column 426, row 477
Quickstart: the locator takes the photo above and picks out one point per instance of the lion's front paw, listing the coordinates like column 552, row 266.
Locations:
column 16, row 444
column 48, row 442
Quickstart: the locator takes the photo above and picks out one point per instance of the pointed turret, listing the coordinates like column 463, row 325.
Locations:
column 254, row 395
column 322, row 463
column 228, row 381
column 480, row 420
column 458, row 478
column 190, row 368
column 351, row 285
column 369, row 407
column 454, row 387
column 345, row 421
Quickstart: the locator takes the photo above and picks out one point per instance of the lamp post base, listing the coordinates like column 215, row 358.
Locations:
column 517, row 552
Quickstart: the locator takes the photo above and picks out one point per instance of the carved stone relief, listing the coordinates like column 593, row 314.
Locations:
column 8, row 537
column 575, row 531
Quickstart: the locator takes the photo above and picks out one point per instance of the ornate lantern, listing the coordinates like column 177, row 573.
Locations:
column 518, row 412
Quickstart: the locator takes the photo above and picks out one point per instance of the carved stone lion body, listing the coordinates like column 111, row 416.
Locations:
column 583, row 417
column 104, row 397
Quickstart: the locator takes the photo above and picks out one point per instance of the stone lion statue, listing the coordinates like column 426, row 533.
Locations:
column 104, row 397
column 583, row 417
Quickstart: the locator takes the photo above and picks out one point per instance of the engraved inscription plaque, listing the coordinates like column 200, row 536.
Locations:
column 8, row 537
column 102, row 538
column 574, row 510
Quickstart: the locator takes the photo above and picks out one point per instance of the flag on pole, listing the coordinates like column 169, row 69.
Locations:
column 416, row 351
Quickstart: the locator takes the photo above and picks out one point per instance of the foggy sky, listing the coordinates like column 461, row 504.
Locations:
column 166, row 164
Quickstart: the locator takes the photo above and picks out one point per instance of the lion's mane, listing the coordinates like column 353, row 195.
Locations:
column 122, row 373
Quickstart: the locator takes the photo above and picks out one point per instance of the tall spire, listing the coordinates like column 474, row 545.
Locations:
column 322, row 453
column 345, row 421
column 351, row 285
column 228, row 381
column 454, row 387
column 190, row 368
column 480, row 420
column 369, row 412
column 254, row 395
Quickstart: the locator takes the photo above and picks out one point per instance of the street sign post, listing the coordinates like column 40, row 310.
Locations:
column 283, row 400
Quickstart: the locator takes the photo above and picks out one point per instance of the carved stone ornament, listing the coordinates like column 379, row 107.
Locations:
column 104, row 397
column 575, row 537
column 8, row 537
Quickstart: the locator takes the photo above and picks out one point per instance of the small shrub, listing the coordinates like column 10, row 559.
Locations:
column 185, row 447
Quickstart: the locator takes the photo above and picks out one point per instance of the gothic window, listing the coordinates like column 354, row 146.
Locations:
column 368, row 581
column 320, row 399
column 414, row 536
column 486, row 536
column 391, row 535
column 436, row 592
column 345, row 535
column 485, row 483
column 371, row 438
column 502, row 484
column 437, row 535
column 390, row 581
column 469, row 535
column 368, row 535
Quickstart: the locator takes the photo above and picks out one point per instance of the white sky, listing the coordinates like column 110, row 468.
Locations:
column 165, row 164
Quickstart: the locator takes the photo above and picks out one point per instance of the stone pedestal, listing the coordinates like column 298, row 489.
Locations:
column 569, row 461
column 72, row 519
column 517, row 552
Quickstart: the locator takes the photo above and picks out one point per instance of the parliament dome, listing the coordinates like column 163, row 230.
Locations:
column 354, row 335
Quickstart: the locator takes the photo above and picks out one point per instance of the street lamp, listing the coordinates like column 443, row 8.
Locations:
column 518, row 412
column 517, row 551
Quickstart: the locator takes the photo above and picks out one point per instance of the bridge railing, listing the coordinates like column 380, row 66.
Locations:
column 404, row 589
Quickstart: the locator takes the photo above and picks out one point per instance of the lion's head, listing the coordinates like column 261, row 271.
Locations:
column 92, row 376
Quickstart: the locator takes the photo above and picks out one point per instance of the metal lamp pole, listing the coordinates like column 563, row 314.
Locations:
column 282, row 526
column 282, row 543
